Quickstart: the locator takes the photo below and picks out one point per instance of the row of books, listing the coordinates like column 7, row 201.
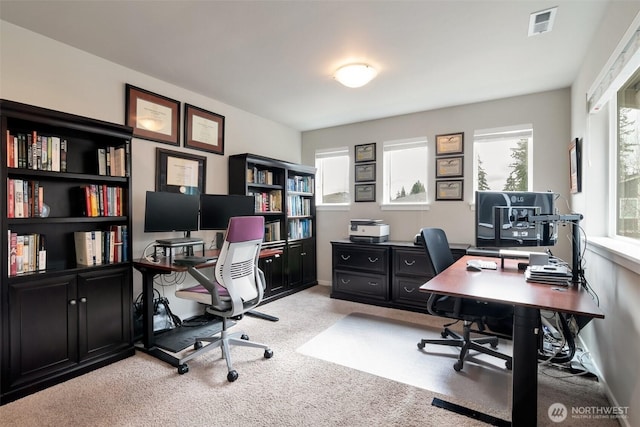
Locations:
column 268, row 201
column 258, row 176
column 27, row 253
column 102, row 200
column 303, row 184
column 25, row 198
column 300, row 228
column 34, row 151
column 298, row 206
column 101, row 247
column 112, row 161
column 272, row 231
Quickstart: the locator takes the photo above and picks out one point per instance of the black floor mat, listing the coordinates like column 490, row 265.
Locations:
column 178, row 339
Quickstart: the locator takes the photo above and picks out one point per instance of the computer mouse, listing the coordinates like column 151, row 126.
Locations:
column 473, row 266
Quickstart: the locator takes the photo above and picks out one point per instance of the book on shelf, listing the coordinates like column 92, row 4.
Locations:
column 32, row 150
column 88, row 245
column 27, row 253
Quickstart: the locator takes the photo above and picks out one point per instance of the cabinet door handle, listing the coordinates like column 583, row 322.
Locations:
column 345, row 257
column 373, row 260
column 409, row 263
column 73, row 302
column 83, row 299
column 407, row 290
column 303, row 254
column 268, row 261
column 345, row 281
column 373, row 283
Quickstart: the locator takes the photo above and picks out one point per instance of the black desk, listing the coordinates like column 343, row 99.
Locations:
column 149, row 271
column 508, row 286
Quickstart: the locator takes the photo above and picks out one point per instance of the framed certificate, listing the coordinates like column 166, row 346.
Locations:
column 152, row 116
column 365, row 152
column 365, row 193
column 203, row 130
column 449, row 190
column 452, row 143
column 449, row 167
column 178, row 172
column 365, row 172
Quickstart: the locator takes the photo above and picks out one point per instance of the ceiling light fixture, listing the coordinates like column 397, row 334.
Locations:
column 355, row 75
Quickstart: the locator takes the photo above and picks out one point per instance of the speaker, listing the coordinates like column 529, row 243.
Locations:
column 219, row 240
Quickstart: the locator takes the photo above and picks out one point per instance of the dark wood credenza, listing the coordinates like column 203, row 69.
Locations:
column 387, row 274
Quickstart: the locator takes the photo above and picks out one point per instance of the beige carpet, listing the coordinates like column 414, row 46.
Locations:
column 290, row 389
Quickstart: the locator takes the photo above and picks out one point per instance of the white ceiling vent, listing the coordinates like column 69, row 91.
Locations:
column 542, row 22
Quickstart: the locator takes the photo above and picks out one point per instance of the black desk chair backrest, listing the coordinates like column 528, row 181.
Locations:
column 495, row 316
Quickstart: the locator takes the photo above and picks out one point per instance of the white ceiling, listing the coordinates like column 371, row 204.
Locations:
column 276, row 58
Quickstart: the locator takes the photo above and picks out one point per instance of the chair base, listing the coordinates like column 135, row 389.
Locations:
column 224, row 341
column 466, row 343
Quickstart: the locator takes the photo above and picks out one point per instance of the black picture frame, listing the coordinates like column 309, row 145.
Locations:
column 178, row 172
column 203, row 130
column 450, row 167
column 450, row 143
column 365, row 192
column 575, row 166
column 450, row 189
column 152, row 116
column 365, row 172
column 365, row 153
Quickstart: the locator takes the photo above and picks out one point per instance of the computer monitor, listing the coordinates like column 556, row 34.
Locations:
column 216, row 209
column 165, row 212
column 504, row 219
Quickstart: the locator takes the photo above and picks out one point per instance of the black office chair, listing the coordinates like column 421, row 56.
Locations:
column 498, row 318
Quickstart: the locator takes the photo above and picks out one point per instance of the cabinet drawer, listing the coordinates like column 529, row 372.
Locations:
column 406, row 291
column 412, row 262
column 370, row 285
column 361, row 258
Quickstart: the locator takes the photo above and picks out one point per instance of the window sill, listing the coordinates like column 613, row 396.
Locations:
column 405, row 207
column 622, row 253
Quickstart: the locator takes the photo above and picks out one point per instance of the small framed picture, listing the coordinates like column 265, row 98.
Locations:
column 365, row 193
column 203, row 130
column 575, row 166
column 365, row 172
column 449, row 167
column 178, row 172
column 449, row 189
column 365, row 152
column 152, row 116
column 452, row 143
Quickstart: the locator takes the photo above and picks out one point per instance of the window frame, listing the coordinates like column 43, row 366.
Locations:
column 342, row 151
column 385, row 203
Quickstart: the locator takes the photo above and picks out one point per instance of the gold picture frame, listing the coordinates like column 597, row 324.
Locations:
column 152, row 116
column 451, row 143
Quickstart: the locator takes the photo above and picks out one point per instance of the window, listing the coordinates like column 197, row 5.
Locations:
column 332, row 177
column 405, row 172
column 502, row 159
column 627, row 186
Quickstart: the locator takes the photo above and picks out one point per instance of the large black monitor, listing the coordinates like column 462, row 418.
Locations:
column 216, row 209
column 166, row 212
column 503, row 219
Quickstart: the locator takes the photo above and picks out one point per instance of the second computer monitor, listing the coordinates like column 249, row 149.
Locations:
column 216, row 209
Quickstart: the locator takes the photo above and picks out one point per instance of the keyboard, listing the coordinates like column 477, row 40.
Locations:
column 487, row 265
column 193, row 260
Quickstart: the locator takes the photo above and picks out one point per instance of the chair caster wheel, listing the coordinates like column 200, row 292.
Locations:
column 183, row 369
column 232, row 376
column 443, row 334
column 268, row 354
column 494, row 346
column 197, row 345
column 509, row 364
column 420, row 345
column 457, row 366
column 244, row 337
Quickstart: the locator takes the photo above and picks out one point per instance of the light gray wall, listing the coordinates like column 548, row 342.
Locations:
column 549, row 112
column 41, row 71
column 612, row 270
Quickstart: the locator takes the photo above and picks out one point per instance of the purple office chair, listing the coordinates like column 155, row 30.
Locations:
column 237, row 288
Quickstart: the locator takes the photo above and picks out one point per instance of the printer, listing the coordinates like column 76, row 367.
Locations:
column 368, row 230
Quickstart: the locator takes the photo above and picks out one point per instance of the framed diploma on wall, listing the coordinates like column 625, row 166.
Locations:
column 178, row 172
